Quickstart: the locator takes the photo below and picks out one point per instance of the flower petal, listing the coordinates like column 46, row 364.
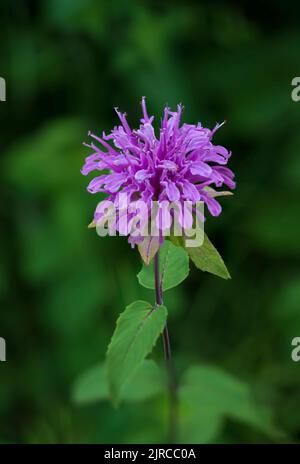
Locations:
column 172, row 190
column 142, row 174
column 214, row 207
column 190, row 191
column 96, row 184
column 201, row 169
column 114, row 181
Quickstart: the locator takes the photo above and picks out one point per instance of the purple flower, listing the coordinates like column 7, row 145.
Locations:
column 181, row 164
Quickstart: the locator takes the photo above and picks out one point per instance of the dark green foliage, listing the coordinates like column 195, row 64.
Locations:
column 67, row 64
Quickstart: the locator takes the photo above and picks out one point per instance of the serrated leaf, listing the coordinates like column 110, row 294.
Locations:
column 92, row 385
column 174, row 267
column 137, row 330
column 207, row 258
column 208, row 395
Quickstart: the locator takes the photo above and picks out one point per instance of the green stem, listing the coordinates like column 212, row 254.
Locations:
column 172, row 383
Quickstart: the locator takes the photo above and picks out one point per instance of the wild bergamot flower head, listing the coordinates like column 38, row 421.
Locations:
column 180, row 164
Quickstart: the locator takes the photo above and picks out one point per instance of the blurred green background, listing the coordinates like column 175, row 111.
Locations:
column 67, row 63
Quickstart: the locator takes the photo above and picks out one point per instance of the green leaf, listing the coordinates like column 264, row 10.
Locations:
column 174, row 267
column 208, row 396
column 149, row 381
column 137, row 330
column 207, row 258
column 92, row 385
